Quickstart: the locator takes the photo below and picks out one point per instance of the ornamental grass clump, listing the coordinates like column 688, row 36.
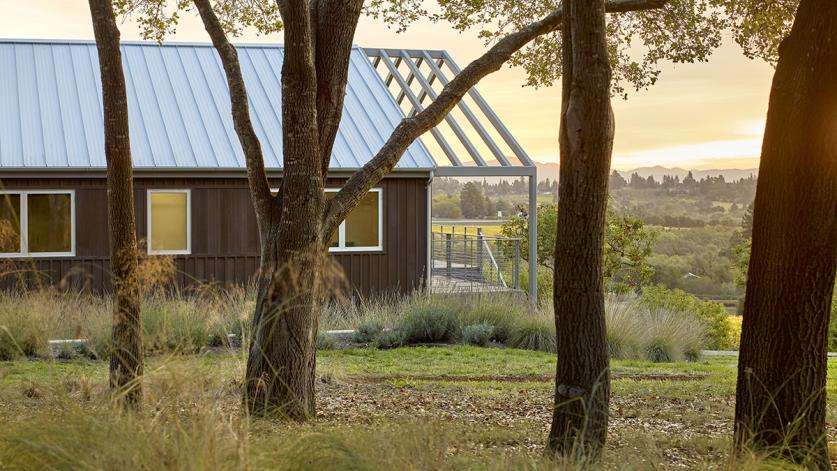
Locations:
column 625, row 330
column 429, row 319
column 536, row 332
column 672, row 336
column 367, row 331
column 478, row 334
column 501, row 311
column 387, row 339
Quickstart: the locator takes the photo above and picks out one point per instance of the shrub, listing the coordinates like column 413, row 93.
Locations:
column 478, row 334
column 387, row 339
column 326, row 342
column 535, row 333
column 625, row 330
column 430, row 319
column 501, row 311
column 712, row 314
column 367, row 331
column 671, row 336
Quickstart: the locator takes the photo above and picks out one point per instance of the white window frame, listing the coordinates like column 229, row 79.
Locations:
column 148, row 241
column 341, row 231
column 24, row 224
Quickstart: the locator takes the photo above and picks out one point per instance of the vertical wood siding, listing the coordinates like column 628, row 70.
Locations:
column 225, row 240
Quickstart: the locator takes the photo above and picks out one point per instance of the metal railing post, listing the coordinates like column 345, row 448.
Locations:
column 480, row 242
column 448, row 250
column 516, row 265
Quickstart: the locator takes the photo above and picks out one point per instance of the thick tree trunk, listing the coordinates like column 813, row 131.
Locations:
column 780, row 400
column 126, row 357
column 282, row 360
column 582, row 382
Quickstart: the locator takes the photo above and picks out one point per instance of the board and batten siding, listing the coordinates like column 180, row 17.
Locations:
column 225, row 240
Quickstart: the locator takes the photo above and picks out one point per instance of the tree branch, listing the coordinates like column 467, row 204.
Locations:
column 259, row 186
column 412, row 127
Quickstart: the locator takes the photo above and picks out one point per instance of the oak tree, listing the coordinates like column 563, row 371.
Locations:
column 780, row 396
column 126, row 356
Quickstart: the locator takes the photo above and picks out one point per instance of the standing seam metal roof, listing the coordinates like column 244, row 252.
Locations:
column 178, row 107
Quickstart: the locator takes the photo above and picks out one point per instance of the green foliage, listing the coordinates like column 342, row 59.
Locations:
column 472, row 201
column 628, row 244
column 367, row 331
column 536, row 332
column 545, row 279
column 430, row 320
column 713, row 315
column 446, row 207
column 500, row 312
column 682, row 31
column 326, row 342
column 741, row 256
column 759, row 26
column 389, row 338
column 478, row 334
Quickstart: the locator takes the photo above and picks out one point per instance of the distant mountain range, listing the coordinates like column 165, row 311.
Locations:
column 550, row 170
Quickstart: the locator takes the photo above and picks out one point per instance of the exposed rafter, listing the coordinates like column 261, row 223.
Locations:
column 418, row 76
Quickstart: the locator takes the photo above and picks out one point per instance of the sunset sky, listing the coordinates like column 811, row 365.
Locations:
column 699, row 116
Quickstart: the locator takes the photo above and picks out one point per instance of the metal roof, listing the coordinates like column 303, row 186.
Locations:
column 178, row 105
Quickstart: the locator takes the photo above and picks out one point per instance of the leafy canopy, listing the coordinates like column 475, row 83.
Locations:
column 628, row 245
column 681, row 31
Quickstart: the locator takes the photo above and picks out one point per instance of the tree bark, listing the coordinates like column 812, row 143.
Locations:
column 582, row 382
column 126, row 357
column 295, row 224
column 780, row 397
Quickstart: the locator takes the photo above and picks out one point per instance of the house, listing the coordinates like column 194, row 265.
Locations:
column 191, row 195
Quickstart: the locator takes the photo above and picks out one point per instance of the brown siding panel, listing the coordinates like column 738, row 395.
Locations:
column 224, row 236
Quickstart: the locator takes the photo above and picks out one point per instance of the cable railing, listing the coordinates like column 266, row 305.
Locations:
column 475, row 262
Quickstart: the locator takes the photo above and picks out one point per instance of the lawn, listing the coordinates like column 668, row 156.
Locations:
column 454, row 407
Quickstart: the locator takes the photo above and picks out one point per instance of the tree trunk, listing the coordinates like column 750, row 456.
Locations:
column 582, row 382
column 126, row 357
column 282, row 361
column 780, row 398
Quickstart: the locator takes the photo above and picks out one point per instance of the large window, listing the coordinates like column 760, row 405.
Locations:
column 37, row 223
column 169, row 222
column 363, row 228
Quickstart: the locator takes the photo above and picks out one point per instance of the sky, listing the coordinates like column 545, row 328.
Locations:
column 697, row 116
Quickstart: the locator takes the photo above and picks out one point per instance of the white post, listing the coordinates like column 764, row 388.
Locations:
column 533, row 236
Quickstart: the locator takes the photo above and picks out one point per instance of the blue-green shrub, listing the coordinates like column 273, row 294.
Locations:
column 478, row 334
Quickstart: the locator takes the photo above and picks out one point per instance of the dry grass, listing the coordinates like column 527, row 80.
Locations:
column 192, row 421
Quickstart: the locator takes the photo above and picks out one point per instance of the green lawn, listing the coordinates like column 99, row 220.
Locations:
column 406, row 408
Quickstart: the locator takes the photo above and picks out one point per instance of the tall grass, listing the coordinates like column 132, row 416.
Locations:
column 637, row 331
column 192, row 421
column 172, row 320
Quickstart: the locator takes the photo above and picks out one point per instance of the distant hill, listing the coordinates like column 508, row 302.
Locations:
column 550, row 170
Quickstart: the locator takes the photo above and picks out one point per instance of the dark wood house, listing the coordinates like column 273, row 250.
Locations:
column 191, row 196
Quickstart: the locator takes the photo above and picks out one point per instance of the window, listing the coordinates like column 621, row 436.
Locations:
column 363, row 228
column 37, row 223
column 169, row 222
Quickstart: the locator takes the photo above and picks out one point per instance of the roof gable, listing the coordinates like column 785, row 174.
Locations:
column 178, row 105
